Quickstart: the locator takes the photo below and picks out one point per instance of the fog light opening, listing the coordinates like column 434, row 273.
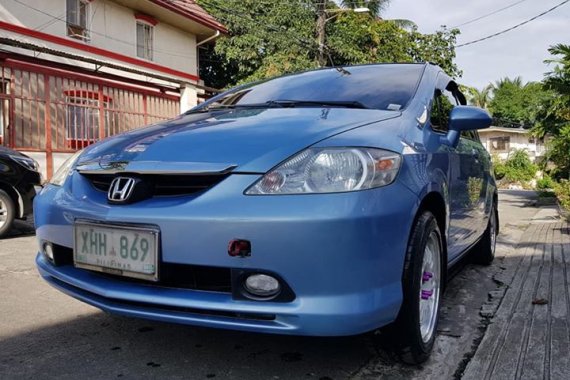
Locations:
column 48, row 251
column 262, row 285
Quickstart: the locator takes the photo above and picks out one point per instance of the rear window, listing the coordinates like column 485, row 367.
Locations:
column 384, row 87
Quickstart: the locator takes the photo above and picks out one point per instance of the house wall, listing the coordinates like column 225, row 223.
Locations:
column 113, row 28
column 34, row 93
column 517, row 141
column 51, row 113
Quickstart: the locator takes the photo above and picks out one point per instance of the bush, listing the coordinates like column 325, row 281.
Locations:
column 518, row 168
column 562, row 191
column 559, row 149
column 545, row 183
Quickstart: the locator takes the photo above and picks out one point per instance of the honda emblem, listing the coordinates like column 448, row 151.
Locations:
column 121, row 189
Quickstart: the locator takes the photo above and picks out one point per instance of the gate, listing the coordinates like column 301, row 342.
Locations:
column 55, row 111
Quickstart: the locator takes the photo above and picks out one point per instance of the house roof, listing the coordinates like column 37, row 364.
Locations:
column 190, row 9
column 504, row 129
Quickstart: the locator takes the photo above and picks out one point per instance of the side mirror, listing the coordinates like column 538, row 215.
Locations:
column 465, row 118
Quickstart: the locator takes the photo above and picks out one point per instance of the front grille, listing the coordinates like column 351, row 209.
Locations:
column 162, row 184
column 181, row 276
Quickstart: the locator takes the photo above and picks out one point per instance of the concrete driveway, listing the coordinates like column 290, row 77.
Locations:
column 45, row 334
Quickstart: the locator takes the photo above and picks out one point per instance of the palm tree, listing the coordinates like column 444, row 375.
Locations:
column 479, row 98
column 503, row 82
column 559, row 79
column 376, row 7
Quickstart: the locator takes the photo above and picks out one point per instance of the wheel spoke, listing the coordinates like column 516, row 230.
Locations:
column 429, row 289
column 3, row 213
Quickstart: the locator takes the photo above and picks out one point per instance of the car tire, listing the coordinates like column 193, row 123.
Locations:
column 7, row 213
column 484, row 252
column 413, row 333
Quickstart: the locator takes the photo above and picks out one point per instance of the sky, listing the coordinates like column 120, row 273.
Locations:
column 520, row 52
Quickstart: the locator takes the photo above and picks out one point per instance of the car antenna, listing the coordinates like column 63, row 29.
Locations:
column 340, row 69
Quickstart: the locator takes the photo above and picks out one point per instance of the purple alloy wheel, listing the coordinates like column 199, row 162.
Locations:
column 429, row 289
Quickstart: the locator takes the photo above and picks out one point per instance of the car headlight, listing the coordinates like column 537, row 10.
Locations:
column 27, row 162
column 330, row 170
column 64, row 170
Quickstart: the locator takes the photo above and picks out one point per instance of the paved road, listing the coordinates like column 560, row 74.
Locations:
column 45, row 334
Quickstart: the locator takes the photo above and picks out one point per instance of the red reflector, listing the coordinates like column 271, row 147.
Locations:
column 238, row 247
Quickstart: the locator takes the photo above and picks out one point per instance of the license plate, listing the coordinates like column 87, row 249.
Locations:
column 120, row 250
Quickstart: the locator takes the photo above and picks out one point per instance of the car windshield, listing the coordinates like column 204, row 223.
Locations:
column 383, row 87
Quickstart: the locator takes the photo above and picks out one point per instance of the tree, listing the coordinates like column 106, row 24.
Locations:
column 266, row 38
column 479, row 98
column 375, row 6
column 554, row 114
column 559, row 79
column 274, row 37
column 559, row 151
column 502, row 83
column 515, row 104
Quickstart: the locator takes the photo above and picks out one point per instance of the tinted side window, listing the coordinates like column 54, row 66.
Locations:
column 442, row 105
column 469, row 135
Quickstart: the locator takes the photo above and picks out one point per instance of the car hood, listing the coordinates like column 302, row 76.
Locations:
column 4, row 150
column 242, row 140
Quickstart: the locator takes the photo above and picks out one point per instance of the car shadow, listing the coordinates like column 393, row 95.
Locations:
column 109, row 346
column 21, row 228
column 100, row 345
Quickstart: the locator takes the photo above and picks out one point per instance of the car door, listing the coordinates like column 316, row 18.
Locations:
column 480, row 189
column 465, row 175
column 470, row 191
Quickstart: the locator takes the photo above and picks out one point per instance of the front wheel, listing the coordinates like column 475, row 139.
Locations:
column 485, row 250
column 413, row 333
column 7, row 213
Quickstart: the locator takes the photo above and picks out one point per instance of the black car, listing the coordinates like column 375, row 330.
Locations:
column 19, row 177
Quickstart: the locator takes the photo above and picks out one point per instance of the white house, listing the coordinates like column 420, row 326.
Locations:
column 501, row 141
column 75, row 71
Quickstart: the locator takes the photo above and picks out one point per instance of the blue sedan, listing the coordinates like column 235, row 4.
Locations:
column 329, row 202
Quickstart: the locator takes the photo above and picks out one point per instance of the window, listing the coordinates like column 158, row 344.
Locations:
column 82, row 118
column 378, row 86
column 470, row 135
column 77, row 14
column 499, row 144
column 144, row 40
column 4, row 107
column 443, row 103
column 536, row 140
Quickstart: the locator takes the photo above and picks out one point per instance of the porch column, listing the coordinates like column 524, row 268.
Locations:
column 188, row 97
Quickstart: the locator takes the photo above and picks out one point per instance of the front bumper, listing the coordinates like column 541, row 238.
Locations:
column 341, row 254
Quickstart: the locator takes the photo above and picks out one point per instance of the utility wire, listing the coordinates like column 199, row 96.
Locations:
column 488, row 14
column 513, row 27
column 49, row 22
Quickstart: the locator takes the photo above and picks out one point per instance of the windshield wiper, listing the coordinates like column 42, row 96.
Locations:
column 283, row 104
column 315, row 103
column 215, row 107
